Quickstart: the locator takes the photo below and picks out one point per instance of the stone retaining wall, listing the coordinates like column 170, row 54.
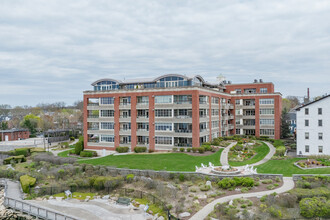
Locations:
column 188, row 175
column 297, row 177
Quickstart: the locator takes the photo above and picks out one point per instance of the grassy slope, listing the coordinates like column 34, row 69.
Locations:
column 287, row 168
column 166, row 161
column 261, row 151
column 64, row 153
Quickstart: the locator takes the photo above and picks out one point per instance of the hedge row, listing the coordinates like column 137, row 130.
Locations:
column 140, row 149
column 122, row 149
column 16, row 159
column 88, row 153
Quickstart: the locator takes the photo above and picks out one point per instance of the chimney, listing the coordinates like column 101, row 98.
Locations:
column 229, row 82
column 308, row 94
column 255, row 80
column 260, row 80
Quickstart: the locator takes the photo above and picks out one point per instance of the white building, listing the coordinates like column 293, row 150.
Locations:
column 313, row 127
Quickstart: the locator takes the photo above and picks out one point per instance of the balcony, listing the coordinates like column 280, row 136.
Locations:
column 182, row 131
column 93, row 104
column 93, row 129
column 92, row 116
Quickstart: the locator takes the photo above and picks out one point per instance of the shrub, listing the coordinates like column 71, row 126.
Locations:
column 193, row 190
column 188, row 149
column 194, row 149
column 277, row 179
column 79, row 147
column 151, row 151
column 88, row 153
column 205, row 188
column 72, row 138
column 37, row 149
column 316, row 192
column 280, row 151
column 140, row 149
column 15, row 159
column 54, row 160
column 315, row 207
column 267, row 181
column 207, row 147
column 215, row 142
column 65, row 144
column 27, row 182
column 182, row 149
column 22, row 151
column 270, row 187
column 129, row 178
column 244, row 190
column 247, row 181
column 275, row 212
column 181, row 177
column 174, row 149
column 226, row 183
column 122, row 149
column 201, row 150
column 263, row 198
column 278, row 143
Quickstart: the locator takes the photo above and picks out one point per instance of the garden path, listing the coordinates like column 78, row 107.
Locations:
column 288, row 184
column 224, row 155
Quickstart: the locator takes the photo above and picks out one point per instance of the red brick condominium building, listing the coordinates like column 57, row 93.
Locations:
column 176, row 111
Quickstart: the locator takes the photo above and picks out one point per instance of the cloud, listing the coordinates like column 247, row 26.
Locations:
column 56, row 49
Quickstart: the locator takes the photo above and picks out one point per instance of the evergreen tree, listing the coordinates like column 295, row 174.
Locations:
column 285, row 129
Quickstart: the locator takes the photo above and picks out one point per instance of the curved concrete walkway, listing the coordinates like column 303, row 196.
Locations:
column 224, row 155
column 288, row 184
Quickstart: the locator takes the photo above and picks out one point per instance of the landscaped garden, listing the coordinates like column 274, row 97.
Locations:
column 309, row 199
column 247, row 153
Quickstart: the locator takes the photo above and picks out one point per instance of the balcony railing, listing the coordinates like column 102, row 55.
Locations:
column 125, row 142
column 183, row 116
column 94, row 129
column 182, row 131
column 182, row 102
column 125, row 103
column 92, row 116
column 142, row 103
column 142, row 129
column 93, row 104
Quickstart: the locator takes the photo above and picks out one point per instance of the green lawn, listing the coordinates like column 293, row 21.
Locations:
column 287, row 168
column 166, row 161
column 64, row 153
column 261, row 151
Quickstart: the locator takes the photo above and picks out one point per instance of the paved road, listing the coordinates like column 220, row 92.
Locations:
column 288, row 184
column 224, row 155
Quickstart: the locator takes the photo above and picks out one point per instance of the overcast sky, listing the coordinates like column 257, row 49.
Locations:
column 53, row 50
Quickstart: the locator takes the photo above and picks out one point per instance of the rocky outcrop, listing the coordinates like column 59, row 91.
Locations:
column 9, row 214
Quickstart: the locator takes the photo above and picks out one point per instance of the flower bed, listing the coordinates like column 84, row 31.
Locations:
column 312, row 163
column 241, row 152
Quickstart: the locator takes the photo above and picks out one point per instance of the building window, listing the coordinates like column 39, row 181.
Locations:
column 203, row 99
column 267, row 132
column 320, row 149
column 238, row 91
column 307, row 148
column 250, row 91
column 142, row 100
column 238, row 121
column 238, row 131
column 107, row 113
column 266, row 101
column 215, row 100
column 163, row 140
column 163, row 99
column 319, row 110
column 306, row 111
column 163, row 113
column 263, row 90
column 107, row 138
column 163, row 126
column 306, row 122
column 182, row 99
column 267, row 121
column 238, row 111
column 237, row 102
column 107, row 125
column 107, row 101
column 320, row 123
column 266, row 111
column 306, row 135
column 320, row 136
